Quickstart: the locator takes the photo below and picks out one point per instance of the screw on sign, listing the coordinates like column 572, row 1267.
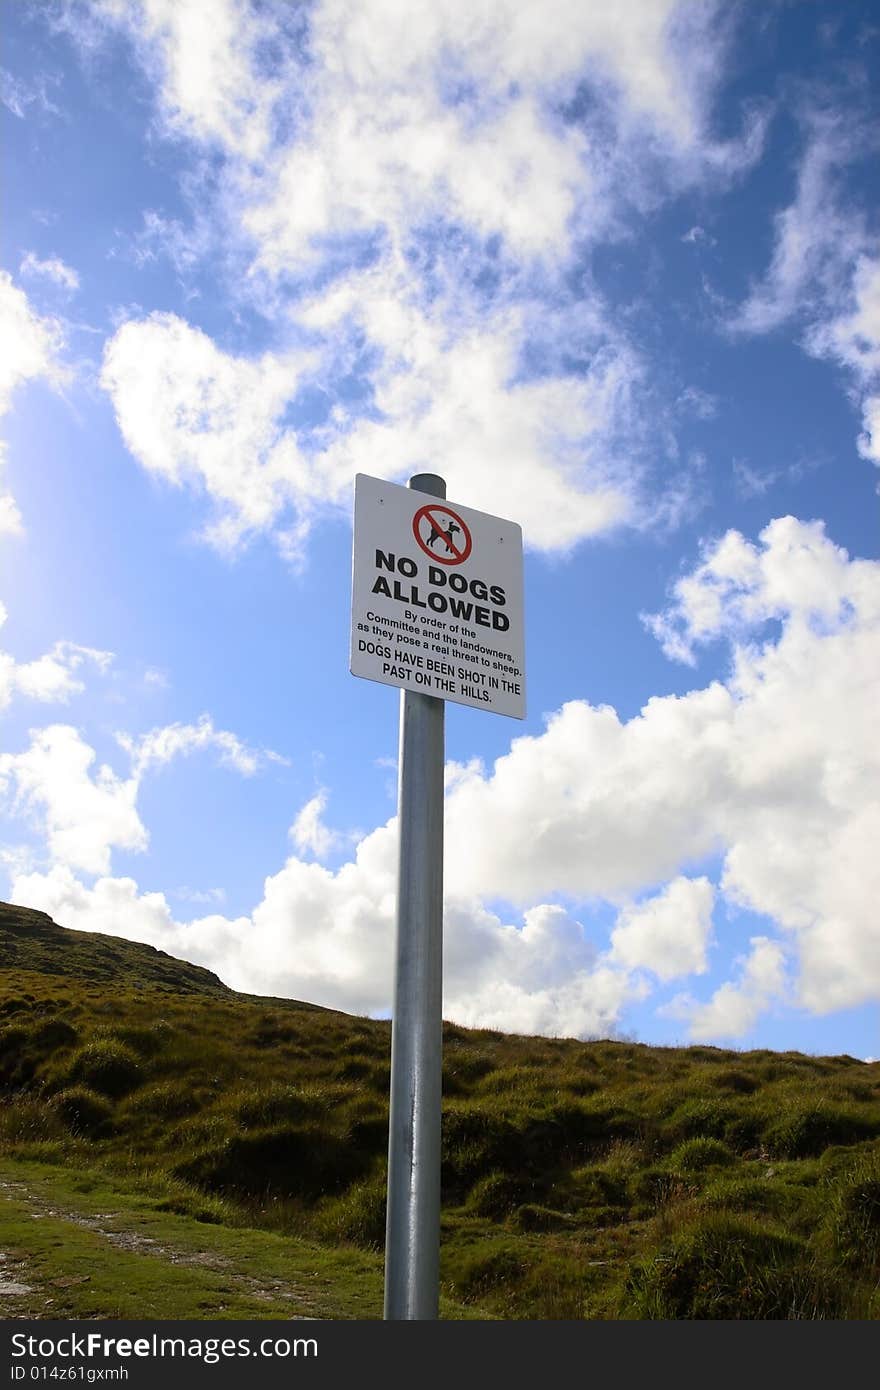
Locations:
column 442, row 534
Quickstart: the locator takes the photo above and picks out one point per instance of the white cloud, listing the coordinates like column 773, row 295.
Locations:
column 444, row 149
column 10, row 515
column 328, row 938
column 17, row 94
column 853, row 337
column 309, row 832
column 52, row 269
column 466, row 112
column 188, row 410
column 776, row 772
column 735, row 1007
column 85, row 815
column 49, row 677
column 206, row 63
column 698, row 235
column 199, row 895
column 825, row 272
column 668, row 934
column 798, row 573
column 869, row 440
column 29, row 349
column 816, row 243
column 348, row 119
column 161, row 746
column 29, row 344
column 457, row 396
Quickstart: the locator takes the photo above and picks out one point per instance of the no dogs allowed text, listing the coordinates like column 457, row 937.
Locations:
column 437, row 598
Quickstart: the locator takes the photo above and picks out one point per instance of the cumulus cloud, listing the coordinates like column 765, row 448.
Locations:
column 84, row 813
column 328, row 938
column 348, row 120
column 796, row 573
column 29, row 344
column 470, row 115
column 668, row 934
column 49, row 677
column 460, row 396
column 775, row 771
column 30, row 348
column 736, row 1006
column 188, row 410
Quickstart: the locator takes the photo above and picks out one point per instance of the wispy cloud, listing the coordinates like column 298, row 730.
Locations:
column 824, row 272
column 53, row 269
column 161, row 746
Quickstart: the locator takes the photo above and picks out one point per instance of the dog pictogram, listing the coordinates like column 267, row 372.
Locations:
column 442, row 533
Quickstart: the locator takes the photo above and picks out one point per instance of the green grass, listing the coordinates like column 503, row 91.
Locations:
column 580, row 1179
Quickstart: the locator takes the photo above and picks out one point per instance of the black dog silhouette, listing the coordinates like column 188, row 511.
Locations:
column 447, row 535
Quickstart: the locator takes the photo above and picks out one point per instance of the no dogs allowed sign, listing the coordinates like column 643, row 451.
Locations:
column 437, row 598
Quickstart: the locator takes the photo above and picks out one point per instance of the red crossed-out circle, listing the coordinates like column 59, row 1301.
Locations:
column 437, row 523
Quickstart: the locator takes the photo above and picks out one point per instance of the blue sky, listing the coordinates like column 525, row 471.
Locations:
column 614, row 273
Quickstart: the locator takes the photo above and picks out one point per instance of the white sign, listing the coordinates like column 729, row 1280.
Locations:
column 437, row 598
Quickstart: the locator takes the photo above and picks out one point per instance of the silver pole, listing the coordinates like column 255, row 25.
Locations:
column 412, row 1232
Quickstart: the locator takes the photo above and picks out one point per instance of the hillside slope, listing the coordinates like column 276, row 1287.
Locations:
column 30, row 940
column 599, row 1179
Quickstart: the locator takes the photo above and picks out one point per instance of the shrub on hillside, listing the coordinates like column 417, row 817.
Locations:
column 497, row 1195
column 600, row 1186
column 703, row 1117
column 358, row 1215
column 855, row 1215
column 733, row 1193
column 304, row 1161
column 25, row 1120
column 17, row 1065
column 165, row 1100
column 29, row 1042
column 84, row 1111
column 490, row 1266
column 696, row 1154
column 532, row 1217
column 804, row 1131
column 266, row 1106
column 731, row 1267
column 107, row 1066
column 734, row 1079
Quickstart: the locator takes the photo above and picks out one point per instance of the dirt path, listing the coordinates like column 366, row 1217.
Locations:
column 23, row 1291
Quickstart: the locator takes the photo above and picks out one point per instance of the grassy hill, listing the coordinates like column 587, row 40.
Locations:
column 580, row 1180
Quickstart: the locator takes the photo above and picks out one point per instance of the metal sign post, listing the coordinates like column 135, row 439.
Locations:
column 412, row 1237
column 436, row 610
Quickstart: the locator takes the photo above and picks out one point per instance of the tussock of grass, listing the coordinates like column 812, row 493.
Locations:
column 725, row 1266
